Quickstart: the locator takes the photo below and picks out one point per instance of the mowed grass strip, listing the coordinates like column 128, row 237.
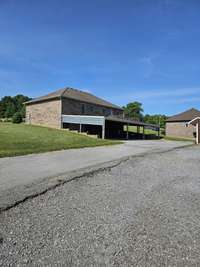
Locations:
column 21, row 139
column 133, row 129
column 175, row 138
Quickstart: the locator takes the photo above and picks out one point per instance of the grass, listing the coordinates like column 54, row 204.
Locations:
column 147, row 131
column 152, row 132
column 21, row 139
column 175, row 138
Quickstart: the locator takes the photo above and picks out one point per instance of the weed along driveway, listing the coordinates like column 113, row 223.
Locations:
column 28, row 175
column 142, row 212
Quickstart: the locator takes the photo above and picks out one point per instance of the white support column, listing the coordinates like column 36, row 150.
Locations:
column 198, row 133
column 80, row 128
column 103, row 130
column 127, row 135
column 143, row 133
column 158, row 132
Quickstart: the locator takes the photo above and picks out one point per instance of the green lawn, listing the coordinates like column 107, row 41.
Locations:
column 152, row 132
column 175, row 138
column 21, row 139
column 147, row 131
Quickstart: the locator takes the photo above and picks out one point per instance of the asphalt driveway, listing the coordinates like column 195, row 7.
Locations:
column 24, row 176
column 22, row 170
column 143, row 212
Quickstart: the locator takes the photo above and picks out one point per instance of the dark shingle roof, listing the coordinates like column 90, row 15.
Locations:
column 185, row 116
column 76, row 95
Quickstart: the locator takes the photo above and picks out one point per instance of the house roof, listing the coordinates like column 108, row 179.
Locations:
column 76, row 95
column 186, row 116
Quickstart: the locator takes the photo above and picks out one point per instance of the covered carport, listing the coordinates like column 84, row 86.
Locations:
column 119, row 128
column 106, row 127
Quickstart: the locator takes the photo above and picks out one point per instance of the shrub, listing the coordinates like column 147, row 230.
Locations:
column 17, row 118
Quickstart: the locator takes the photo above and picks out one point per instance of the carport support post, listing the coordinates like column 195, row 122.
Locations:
column 103, row 130
column 158, row 132
column 143, row 133
column 198, row 133
column 127, row 135
column 80, row 128
column 138, row 129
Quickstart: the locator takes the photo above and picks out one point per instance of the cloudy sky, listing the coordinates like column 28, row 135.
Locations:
column 144, row 50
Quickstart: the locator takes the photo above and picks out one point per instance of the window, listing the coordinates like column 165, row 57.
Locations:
column 106, row 112
column 83, row 109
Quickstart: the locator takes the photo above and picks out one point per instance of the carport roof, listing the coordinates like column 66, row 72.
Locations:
column 131, row 122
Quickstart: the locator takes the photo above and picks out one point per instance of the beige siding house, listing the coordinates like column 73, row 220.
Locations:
column 177, row 125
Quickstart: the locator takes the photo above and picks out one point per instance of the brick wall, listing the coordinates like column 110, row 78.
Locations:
column 73, row 107
column 178, row 129
column 44, row 113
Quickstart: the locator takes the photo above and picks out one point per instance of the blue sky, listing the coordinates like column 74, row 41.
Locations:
column 144, row 50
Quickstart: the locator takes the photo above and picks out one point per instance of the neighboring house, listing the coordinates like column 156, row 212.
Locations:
column 196, row 123
column 78, row 110
column 177, row 124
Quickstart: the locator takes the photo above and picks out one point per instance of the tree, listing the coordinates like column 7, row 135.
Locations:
column 10, row 105
column 155, row 119
column 7, row 107
column 19, row 103
column 134, row 110
column 17, row 117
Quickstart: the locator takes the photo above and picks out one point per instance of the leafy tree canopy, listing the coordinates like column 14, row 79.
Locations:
column 155, row 119
column 134, row 110
column 10, row 105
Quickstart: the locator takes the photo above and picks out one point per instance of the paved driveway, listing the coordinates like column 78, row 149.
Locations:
column 26, row 169
column 143, row 212
column 29, row 175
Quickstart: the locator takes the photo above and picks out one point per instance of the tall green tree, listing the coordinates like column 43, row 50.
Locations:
column 134, row 110
column 19, row 103
column 10, row 105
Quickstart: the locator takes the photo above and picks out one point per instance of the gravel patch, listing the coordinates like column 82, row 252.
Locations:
column 143, row 212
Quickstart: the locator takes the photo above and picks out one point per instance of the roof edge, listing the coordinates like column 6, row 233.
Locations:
column 35, row 101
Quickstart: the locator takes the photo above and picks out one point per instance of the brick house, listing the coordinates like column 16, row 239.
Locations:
column 78, row 110
column 176, row 125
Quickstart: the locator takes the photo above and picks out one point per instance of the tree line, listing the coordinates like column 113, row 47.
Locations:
column 134, row 110
column 13, row 106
